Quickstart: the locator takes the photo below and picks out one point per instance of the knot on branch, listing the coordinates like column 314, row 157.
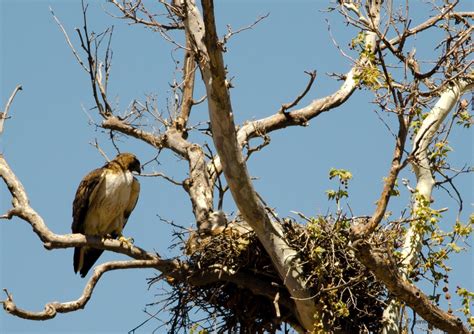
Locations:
column 187, row 183
column 10, row 307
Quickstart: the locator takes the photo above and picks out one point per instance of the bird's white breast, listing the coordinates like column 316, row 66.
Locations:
column 106, row 213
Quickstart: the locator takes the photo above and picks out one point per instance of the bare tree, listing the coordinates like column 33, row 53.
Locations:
column 335, row 273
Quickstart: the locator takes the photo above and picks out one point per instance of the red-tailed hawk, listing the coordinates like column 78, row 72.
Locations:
column 104, row 200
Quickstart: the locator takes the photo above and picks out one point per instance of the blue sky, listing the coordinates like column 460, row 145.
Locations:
column 46, row 142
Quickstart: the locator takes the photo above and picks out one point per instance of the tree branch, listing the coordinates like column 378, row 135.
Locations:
column 143, row 259
column 429, row 23
column 302, row 116
column 68, row 40
column 286, row 106
column 244, row 280
column 53, row 308
column 189, row 74
column 425, row 182
column 225, row 139
column 4, row 114
column 361, row 230
column 198, row 186
column 386, row 270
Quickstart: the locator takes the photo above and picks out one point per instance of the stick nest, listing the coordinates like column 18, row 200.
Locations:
column 347, row 294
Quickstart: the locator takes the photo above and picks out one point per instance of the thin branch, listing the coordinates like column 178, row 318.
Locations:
column 231, row 33
column 286, row 106
column 4, row 114
column 158, row 174
column 429, row 23
column 361, row 231
column 114, row 123
column 334, row 42
column 68, row 41
column 102, row 153
column 130, row 13
column 53, row 308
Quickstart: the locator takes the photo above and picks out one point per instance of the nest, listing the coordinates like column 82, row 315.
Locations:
column 349, row 297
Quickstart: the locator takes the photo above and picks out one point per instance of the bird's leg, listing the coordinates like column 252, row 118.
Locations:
column 103, row 238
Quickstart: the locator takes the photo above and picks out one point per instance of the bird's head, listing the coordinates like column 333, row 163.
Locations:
column 128, row 161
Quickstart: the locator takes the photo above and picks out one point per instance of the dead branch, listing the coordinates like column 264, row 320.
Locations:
column 4, row 113
column 95, row 143
column 68, row 41
column 114, row 123
column 286, row 106
column 198, row 186
column 446, row 13
column 299, row 117
column 231, row 33
column 158, row 174
column 53, row 308
column 130, row 11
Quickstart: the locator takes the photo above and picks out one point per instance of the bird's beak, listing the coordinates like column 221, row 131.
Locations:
column 136, row 167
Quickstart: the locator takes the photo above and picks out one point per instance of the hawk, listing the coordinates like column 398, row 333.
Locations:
column 104, row 200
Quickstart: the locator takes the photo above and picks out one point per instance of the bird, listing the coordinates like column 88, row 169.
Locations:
column 102, row 205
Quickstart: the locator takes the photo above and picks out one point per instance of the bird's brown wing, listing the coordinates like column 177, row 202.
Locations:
column 85, row 257
column 84, row 196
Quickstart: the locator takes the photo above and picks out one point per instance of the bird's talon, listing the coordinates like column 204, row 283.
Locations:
column 126, row 241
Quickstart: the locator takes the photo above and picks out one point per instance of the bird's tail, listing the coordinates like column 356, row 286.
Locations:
column 84, row 259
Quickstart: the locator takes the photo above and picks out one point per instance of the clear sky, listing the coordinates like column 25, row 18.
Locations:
column 46, row 142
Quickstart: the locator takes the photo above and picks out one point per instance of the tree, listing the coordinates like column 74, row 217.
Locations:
column 336, row 272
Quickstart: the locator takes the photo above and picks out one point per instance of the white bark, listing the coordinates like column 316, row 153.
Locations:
column 424, row 186
column 269, row 232
column 225, row 137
